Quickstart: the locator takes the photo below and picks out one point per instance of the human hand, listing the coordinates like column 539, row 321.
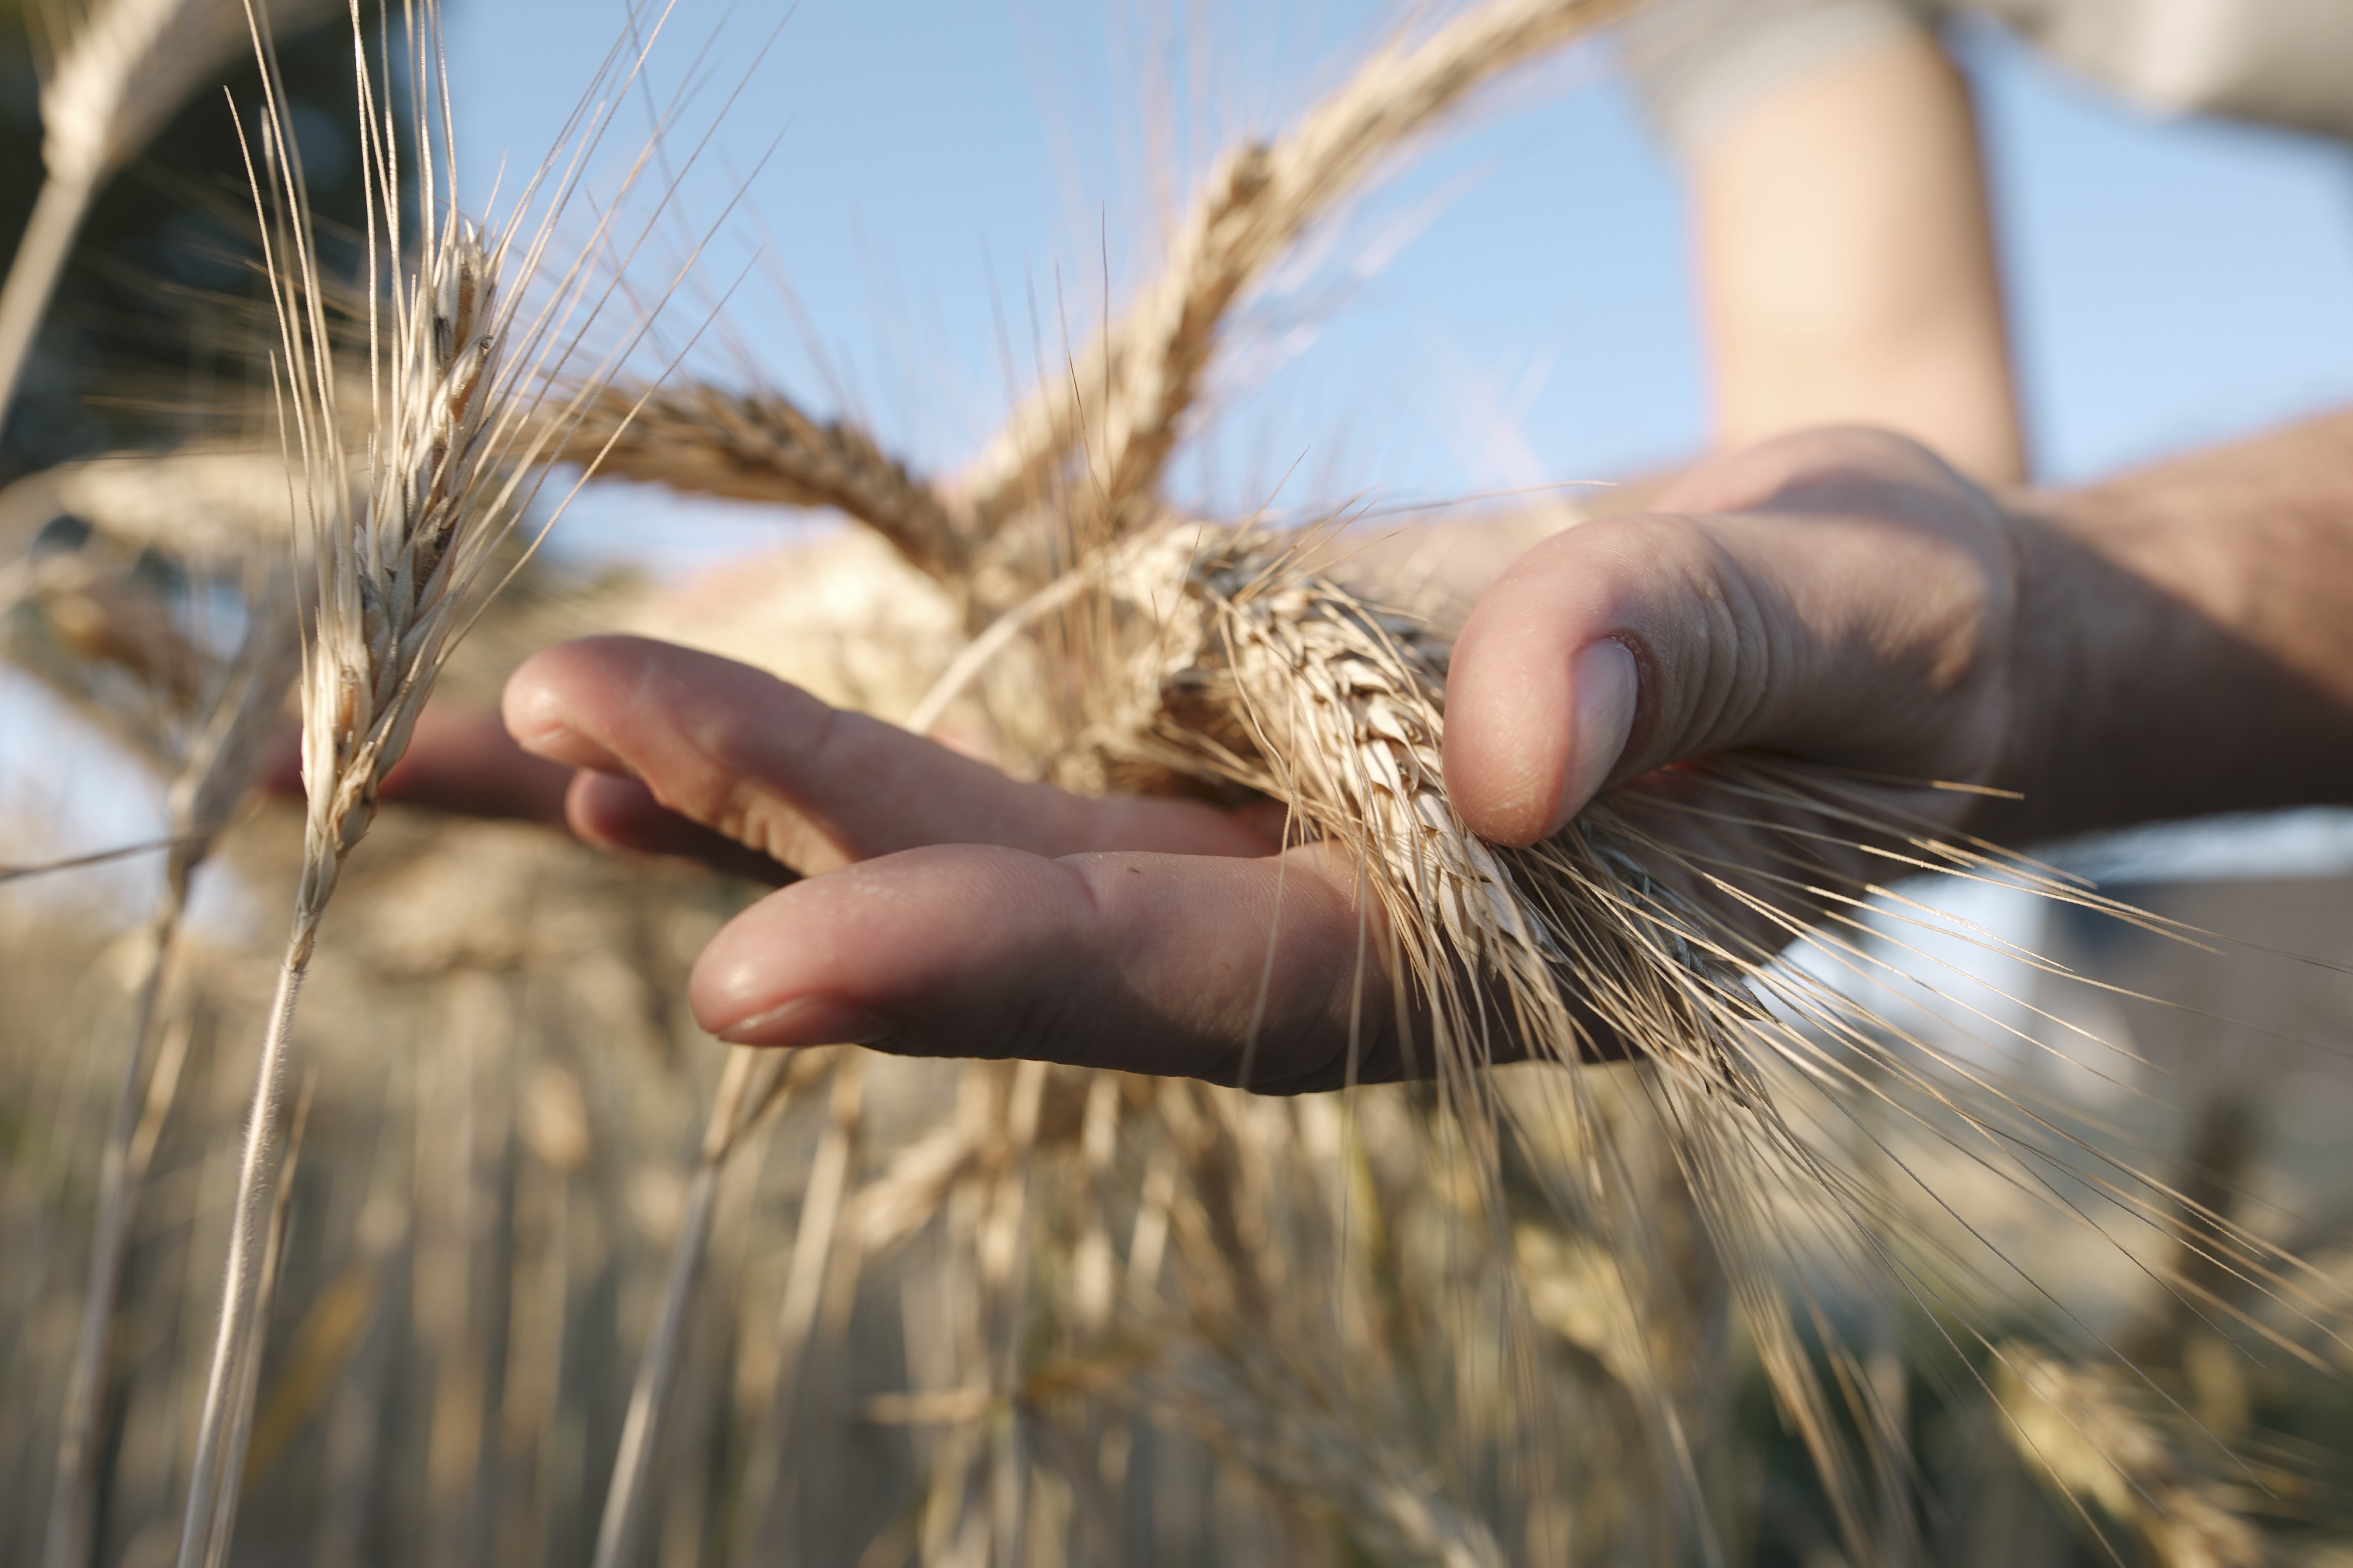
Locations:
column 1840, row 600
column 1839, row 597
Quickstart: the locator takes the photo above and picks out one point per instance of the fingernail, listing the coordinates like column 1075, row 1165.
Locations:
column 1603, row 684
column 810, row 1021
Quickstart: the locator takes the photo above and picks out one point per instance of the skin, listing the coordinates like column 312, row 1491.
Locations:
column 2176, row 642
column 1846, row 261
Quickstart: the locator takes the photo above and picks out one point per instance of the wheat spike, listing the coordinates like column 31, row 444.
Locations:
column 390, row 576
column 1225, row 659
column 1128, row 393
column 704, row 440
column 399, row 539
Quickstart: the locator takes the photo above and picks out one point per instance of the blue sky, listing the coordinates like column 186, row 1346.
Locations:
column 949, row 176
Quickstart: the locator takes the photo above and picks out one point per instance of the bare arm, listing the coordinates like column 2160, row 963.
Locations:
column 2173, row 643
column 2187, row 632
column 1846, row 262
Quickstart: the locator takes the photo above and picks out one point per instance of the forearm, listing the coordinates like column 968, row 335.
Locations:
column 2184, row 639
column 1847, row 262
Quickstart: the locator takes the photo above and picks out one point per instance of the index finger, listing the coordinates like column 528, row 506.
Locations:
column 814, row 787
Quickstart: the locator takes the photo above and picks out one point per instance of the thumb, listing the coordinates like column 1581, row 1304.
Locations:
column 1844, row 618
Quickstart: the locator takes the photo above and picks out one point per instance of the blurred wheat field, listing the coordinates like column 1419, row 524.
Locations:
column 552, row 1278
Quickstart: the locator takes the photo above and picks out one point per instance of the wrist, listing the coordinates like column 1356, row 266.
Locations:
column 2183, row 644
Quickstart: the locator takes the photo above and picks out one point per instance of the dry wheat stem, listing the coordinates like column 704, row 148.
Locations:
column 755, row 1085
column 805, row 1285
column 624, row 1516
column 33, row 273
column 219, row 770
column 212, row 1480
column 73, row 1496
column 1128, row 393
column 247, row 1375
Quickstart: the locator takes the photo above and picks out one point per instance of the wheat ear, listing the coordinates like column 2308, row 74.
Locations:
column 388, row 593
column 759, row 446
column 392, row 556
column 1650, row 927
column 126, row 69
column 1128, row 391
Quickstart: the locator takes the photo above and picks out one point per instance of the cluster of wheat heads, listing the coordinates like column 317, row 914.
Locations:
column 1690, row 927
column 548, row 1297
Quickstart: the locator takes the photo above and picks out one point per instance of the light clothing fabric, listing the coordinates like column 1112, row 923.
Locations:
column 1702, row 63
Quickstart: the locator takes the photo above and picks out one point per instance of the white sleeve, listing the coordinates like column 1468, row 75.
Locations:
column 1699, row 64
column 2287, row 61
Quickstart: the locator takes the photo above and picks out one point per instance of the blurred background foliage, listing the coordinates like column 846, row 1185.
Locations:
column 149, row 337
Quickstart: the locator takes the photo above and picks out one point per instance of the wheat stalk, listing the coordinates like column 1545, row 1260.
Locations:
column 126, row 69
column 755, row 1085
column 219, row 769
column 1126, row 393
column 806, row 1287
